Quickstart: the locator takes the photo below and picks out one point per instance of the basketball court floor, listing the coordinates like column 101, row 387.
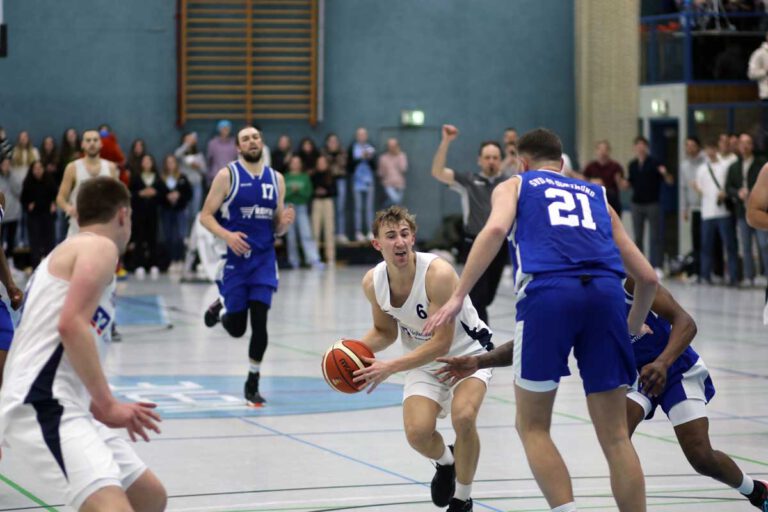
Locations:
column 313, row 449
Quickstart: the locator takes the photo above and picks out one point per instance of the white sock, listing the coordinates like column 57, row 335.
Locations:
column 463, row 492
column 254, row 367
column 568, row 507
column 447, row 458
column 747, row 485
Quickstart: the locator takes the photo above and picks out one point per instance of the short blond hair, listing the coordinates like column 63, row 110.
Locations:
column 393, row 215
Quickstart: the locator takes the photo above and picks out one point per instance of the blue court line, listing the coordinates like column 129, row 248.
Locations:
column 344, row 456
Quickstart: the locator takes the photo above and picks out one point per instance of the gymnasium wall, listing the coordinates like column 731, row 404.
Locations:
column 481, row 65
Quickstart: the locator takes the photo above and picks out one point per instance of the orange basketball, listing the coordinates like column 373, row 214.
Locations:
column 340, row 361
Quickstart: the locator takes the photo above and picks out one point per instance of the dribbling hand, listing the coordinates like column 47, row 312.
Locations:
column 136, row 418
column 372, row 375
column 456, row 368
column 450, row 132
column 236, row 242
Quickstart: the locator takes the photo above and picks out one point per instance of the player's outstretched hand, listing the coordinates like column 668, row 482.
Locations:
column 136, row 418
column 444, row 315
column 450, row 132
column 236, row 242
column 287, row 215
column 16, row 296
column 456, row 368
column 653, row 378
column 374, row 374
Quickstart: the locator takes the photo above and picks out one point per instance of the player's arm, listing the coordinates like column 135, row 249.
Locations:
column 384, row 330
column 14, row 293
column 457, row 368
column 439, row 171
column 757, row 205
column 65, row 190
column 284, row 217
column 216, row 196
column 646, row 280
column 484, row 249
column 92, row 271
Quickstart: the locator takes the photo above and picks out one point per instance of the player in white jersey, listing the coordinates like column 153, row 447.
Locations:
column 403, row 290
column 55, row 404
column 79, row 171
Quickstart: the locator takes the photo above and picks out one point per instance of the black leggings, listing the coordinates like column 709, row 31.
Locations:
column 236, row 323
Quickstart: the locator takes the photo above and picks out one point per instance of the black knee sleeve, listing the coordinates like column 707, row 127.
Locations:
column 235, row 323
column 258, row 344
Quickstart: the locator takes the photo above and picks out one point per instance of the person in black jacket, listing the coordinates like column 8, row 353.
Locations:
column 38, row 199
column 145, row 202
column 174, row 191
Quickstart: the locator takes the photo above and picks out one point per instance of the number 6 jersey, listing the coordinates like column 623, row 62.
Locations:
column 562, row 227
column 471, row 335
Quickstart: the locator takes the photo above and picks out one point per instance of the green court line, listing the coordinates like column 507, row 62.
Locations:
column 13, row 485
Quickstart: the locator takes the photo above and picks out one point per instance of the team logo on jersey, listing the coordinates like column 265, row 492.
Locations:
column 257, row 212
column 414, row 334
column 100, row 320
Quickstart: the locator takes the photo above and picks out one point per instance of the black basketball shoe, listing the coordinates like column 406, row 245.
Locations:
column 458, row 505
column 759, row 496
column 443, row 483
column 212, row 313
column 252, row 395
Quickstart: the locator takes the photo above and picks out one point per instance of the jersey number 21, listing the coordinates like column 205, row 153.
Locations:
column 559, row 211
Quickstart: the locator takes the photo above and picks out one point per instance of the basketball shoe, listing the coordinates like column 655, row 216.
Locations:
column 759, row 496
column 444, row 483
column 212, row 313
column 252, row 395
column 458, row 505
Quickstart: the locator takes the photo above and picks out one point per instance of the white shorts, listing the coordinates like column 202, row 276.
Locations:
column 421, row 382
column 93, row 455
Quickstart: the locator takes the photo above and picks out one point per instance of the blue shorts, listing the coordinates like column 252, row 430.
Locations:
column 558, row 313
column 684, row 382
column 6, row 327
column 242, row 284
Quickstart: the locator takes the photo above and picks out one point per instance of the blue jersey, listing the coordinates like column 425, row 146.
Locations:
column 650, row 346
column 250, row 208
column 562, row 227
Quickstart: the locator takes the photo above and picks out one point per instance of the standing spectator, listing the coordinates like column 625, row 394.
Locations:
column 725, row 151
column 221, row 149
column 361, row 163
column 510, row 136
column 742, row 176
column 175, row 193
column 645, row 177
column 12, row 191
column 38, row 198
column 69, row 150
column 758, row 69
column 693, row 159
column 144, row 203
column 324, row 190
column 282, row 154
column 510, row 166
column 710, row 179
column 337, row 159
column 192, row 163
column 298, row 192
column 308, row 152
column 49, row 155
column 6, row 149
column 392, row 167
column 136, row 153
column 24, row 153
column 607, row 172
column 476, row 189
column 110, row 147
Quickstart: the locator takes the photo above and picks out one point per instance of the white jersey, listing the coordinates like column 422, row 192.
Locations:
column 81, row 176
column 38, row 371
column 470, row 336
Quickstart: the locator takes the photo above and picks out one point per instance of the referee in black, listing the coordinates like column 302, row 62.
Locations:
column 475, row 189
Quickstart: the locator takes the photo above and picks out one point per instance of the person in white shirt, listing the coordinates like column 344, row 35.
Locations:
column 758, row 69
column 715, row 216
column 693, row 159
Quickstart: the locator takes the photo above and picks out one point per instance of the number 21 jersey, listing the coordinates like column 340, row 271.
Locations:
column 562, row 227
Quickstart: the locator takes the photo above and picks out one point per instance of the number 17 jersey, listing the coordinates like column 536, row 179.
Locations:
column 562, row 227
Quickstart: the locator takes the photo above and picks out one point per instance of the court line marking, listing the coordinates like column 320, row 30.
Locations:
column 13, row 485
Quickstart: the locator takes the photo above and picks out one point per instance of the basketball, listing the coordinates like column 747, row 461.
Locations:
column 340, row 361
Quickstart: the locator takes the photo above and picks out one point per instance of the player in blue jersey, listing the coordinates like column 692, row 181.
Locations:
column 671, row 375
column 15, row 297
column 245, row 208
column 570, row 251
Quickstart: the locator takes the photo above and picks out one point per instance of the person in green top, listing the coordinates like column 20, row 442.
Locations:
column 298, row 192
